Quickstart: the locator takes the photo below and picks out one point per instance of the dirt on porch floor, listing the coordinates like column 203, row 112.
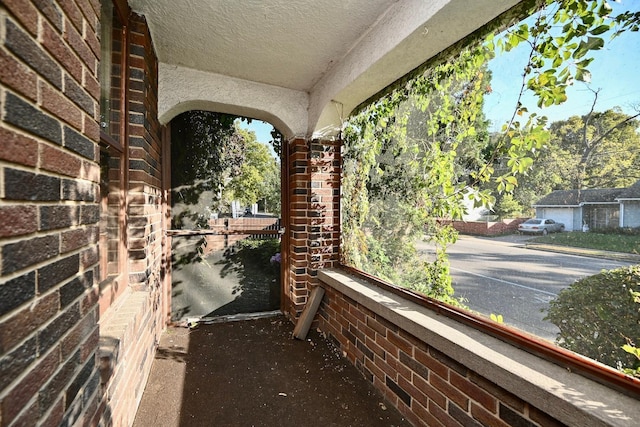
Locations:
column 252, row 373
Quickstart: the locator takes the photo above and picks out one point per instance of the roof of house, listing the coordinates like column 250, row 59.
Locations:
column 589, row 196
column 632, row 192
column 579, row 197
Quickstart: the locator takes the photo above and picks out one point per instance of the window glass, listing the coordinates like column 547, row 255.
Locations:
column 111, row 156
column 441, row 174
column 111, row 71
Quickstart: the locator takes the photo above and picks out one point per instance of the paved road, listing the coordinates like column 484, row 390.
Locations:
column 501, row 276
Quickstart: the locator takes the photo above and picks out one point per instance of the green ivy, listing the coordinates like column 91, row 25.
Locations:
column 412, row 155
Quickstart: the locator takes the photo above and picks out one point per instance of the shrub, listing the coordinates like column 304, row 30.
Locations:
column 598, row 315
column 626, row 231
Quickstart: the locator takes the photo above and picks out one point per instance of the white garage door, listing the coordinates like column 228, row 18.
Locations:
column 563, row 215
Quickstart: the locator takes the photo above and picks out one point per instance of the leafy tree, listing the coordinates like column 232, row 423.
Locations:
column 507, row 207
column 206, row 150
column 259, row 174
column 597, row 150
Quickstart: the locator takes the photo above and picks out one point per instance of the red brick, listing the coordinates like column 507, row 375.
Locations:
column 374, row 368
column 391, row 349
column 18, row 220
column 399, row 367
column 57, row 160
column 370, row 333
column 386, row 367
column 450, row 391
column 54, row 44
column 17, row 148
column 17, row 76
column 400, row 343
column 485, row 417
column 375, row 348
column 429, row 391
column 355, row 311
column 25, row 12
column 30, row 417
column 425, row 416
column 72, row 12
column 430, row 363
column 543, row 418
column 75, row 239
column 442, row 416
column 92, row 41
column 413, row 340
column 91, row 128
column 473, row 391
column 91, row 84
column 20, row 395
column 77, row 335
column 500, row 393
column 78, row 45
column 376, row 326
column 413, row 391
column 90, row 299
column 17, row 327
column 89, row 171
column 91, row 409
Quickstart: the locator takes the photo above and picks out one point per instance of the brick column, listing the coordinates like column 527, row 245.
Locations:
column 314, row 216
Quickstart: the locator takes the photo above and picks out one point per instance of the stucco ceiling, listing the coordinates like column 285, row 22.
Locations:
column 329, row 52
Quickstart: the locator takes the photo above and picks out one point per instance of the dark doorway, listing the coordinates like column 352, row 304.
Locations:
column 225, row 219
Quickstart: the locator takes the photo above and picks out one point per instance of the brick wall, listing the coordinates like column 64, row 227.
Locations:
column 427, row 386
column 487, row 228
column 61, row 363
column 314, row 216
column 130, row 330
column 49, row 93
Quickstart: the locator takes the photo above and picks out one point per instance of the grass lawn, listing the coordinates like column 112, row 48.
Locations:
column 606, row 242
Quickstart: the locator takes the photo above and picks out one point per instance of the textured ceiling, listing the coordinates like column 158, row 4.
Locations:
column 287, row 43
column 303, row 65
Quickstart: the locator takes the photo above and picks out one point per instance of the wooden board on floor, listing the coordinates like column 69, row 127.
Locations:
column 306, row 318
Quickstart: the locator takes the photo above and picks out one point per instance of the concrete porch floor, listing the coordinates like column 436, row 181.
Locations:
column 252, row 373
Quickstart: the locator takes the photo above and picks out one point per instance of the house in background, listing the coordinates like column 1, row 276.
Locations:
column 88, row 90
column 597, row 207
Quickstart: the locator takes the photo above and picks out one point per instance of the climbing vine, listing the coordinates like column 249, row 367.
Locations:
column 414, row 155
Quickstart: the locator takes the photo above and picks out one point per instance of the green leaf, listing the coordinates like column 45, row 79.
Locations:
column 600, row 30
column 583, row 75
column 592, row 43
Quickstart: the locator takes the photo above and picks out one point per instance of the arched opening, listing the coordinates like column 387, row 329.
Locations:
column 226, row 217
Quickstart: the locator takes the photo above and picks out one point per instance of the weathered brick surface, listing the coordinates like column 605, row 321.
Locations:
column 427, row 386
column 22, row 185
column 18, row 76
column 22, row 45
column 18, row 220
column 49, row 177
column 24, row 322
column 315, row 224
column 25, row 253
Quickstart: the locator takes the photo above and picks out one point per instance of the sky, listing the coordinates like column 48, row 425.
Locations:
column 614, row 71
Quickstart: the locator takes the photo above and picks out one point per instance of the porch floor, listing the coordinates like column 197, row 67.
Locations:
column 252, row 373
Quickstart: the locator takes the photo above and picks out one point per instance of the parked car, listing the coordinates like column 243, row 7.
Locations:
column 543, row 226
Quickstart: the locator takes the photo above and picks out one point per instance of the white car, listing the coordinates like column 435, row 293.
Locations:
column 542, row 226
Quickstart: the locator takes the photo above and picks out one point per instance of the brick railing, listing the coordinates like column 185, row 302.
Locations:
column 438, row 371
